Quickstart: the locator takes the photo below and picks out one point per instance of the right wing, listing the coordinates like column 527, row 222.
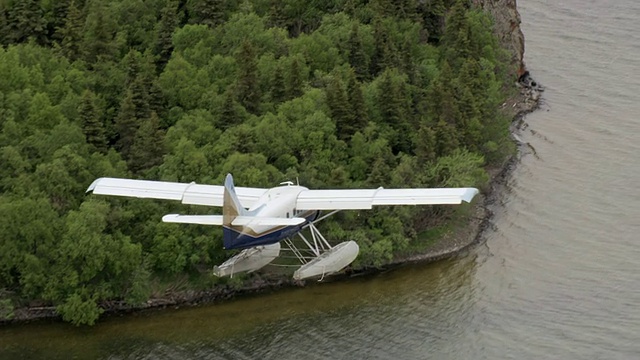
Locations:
column 354, row 199
column 192, row 194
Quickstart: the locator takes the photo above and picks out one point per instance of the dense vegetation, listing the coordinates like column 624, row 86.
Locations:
column 335, row 93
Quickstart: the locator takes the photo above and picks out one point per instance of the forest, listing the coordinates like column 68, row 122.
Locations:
column 333, row 93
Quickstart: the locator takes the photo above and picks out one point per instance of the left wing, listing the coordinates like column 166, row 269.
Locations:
column 367, row 198
column 192, row 194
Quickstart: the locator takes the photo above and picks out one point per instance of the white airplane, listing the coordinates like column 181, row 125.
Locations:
column 257, row 219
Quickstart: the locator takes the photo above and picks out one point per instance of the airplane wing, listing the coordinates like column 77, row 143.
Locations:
column 192, row 194
column 193, row 219
column 238, row 221
column 367, row 198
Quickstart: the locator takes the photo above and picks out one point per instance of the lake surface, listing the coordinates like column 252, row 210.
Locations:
column 558, row 277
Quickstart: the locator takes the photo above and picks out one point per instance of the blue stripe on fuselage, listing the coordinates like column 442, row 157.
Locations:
column 234, row 239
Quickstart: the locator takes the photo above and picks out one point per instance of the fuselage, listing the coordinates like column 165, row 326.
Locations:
column 278, row 202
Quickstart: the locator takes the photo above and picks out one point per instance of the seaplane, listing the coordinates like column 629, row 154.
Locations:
column 257, row 220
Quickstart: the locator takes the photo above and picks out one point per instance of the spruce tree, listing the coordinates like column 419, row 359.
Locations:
column 391, row 103
column 406, row 9
column 247, row 87
column 432, row 14
column 446, row 138
column 425, row 146
column 25, row 19
column 157, row 101
column 295, row 83
column 384, row 52
column 126, row 125
column 92, row 126
column 71, row 33
column 278, row 87
column 443, row 104
column 147, row 148
column 276, row 17
column 99, row 44
column 4, row 25
column 456, row 35
column 169, row 21
column 357, row 57
column 339, row 108
column 58, row 15
column 230, row 114
column 355, row 98
column 131, row 65
column 207, row 12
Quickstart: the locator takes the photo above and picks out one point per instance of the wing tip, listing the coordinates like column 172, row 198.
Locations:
column 469, row 194
column 93, row 185
column 169, row 218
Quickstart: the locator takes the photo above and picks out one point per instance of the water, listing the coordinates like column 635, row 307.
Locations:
column 557, row 279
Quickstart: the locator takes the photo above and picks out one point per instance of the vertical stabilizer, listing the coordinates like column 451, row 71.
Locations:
column 231, row 208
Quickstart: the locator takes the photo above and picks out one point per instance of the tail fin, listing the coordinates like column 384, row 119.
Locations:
column 231, row 208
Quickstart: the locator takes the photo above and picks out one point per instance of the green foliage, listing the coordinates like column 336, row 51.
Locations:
column 346, row 94
column 80, row 308
column 6, row 309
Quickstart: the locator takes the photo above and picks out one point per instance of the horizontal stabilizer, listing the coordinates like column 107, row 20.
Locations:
column 238, row 221
column 266, row 221
column 193, row 219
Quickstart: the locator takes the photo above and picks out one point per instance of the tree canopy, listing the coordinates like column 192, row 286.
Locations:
column 339, row 93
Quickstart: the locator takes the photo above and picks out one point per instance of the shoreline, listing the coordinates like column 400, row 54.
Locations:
column 458, row 242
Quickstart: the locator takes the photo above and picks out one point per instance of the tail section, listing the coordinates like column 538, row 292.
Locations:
column 231, row 208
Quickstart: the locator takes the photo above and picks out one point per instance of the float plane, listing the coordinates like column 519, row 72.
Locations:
column 256, row 220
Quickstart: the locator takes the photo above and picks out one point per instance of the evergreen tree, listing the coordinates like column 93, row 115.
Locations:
column 295, row 83
column 276, row 17
column 278, row 88
column 456, row 41
column 92, row 126
column 391, row 103
column 99, row 44
column 384, row 52
column 426, row 144
column 384, row 8
column 339, row 108
column 157, row 101
column 126, row 125
column 131, row 65
column 443, row 104
column 357, row 57
column 25, row 19
column 446, row 138
column 469, row 104
column 57, row 18
column 230, row 114
column 70, row 35
column 139, row 71
column 355, row 98
column 406, row 9
column 207, row 12
column 148, row 145
column 247, row 87
column 140, row 97
column 432, row 14
column 168, row 22
column 4, row 25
